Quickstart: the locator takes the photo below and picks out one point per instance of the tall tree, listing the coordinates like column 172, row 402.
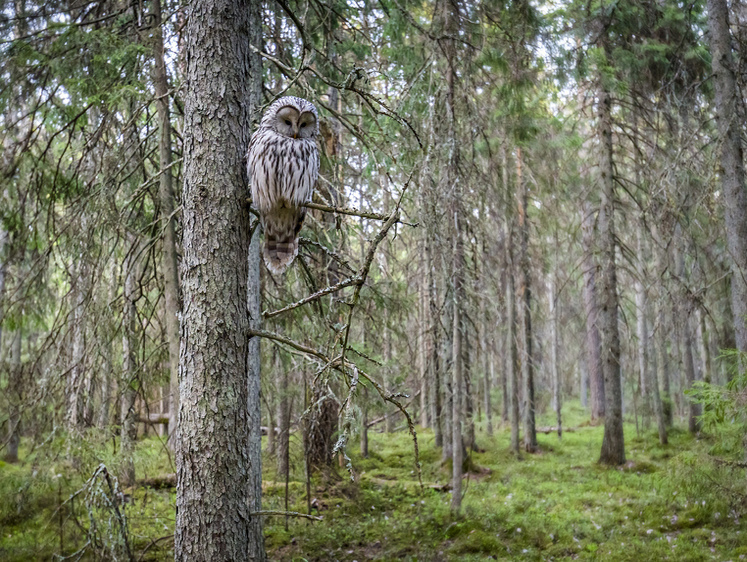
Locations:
column 215, row 514
column 172, row 306
column 728, row 100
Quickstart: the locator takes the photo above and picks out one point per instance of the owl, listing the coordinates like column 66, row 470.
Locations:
column 283, row 164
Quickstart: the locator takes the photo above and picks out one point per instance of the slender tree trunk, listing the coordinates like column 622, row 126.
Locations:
column 641, row 303
column 3, row 269
column 217, row 458
column 732, row 172
column 453, row 183
column 592, row 340
column 584, row 383
column 127, row 415
column 613, row 444
column 172, row 306
column 434, row 368
column 457, row 381
column 662, row 357
column 525, row 303
column 75, row 383
column 684, row 309
column 283, row 390
column 389, row 421
column 422, row 348
column 14, row 393
column 512, row 371
column 487, row 369
column 704, row 347
column 556, row 390
column 256, row 545
column 364, row 424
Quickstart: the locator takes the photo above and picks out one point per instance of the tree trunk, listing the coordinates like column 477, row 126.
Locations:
column 423, row 348
column 75, row 383
column 641, row 303
column 684, row 313
column 127, row 415
column 592, row 340
column 434, row 368
column 556, row 390
column 512, row 371
column 703, row 345
column 487, row 369
column 14, row 393
column 364, row 424
column 731, row 171
column 172, row 306
column 456, row 398
column 216, row 454
column 525, row 304
column 3, row 269
column 283, row 390
column 613, row 444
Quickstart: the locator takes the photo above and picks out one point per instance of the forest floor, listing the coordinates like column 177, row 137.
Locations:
column 558, row 504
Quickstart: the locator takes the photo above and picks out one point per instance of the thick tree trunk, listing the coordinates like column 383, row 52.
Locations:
column 592, row 340
column 732, row 160
column 613, row 444
column 172, row 306
column 216, row 454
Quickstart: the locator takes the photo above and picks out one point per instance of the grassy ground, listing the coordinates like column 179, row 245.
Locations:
column 555, row 505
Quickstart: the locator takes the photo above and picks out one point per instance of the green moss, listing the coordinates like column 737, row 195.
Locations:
column 559, row 504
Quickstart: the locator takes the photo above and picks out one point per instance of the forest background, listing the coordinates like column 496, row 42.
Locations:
column 527, row 212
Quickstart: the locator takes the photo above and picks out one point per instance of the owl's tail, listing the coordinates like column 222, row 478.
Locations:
column 281, row 239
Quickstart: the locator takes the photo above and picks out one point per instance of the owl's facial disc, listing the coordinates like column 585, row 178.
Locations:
column 306, row 125
column 287, row 121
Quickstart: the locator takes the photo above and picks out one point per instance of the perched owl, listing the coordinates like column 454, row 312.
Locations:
column 283, row 164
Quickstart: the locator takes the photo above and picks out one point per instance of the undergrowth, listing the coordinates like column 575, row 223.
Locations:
column 667, row 503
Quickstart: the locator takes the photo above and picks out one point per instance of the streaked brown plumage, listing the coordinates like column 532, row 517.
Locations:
column 283, row 165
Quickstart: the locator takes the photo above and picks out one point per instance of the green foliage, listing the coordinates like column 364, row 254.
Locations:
column 724, row 412
column 558, row 504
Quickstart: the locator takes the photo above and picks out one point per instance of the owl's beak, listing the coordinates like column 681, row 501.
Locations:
column 295, row 131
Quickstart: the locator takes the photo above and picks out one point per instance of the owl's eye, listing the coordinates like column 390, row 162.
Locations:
column 287, row 122
column 303, row 125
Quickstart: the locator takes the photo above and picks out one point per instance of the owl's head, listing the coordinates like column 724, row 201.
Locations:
column 292, row 117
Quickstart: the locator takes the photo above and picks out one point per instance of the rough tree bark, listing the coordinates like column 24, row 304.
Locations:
column 216, row 454
column 732, row 160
